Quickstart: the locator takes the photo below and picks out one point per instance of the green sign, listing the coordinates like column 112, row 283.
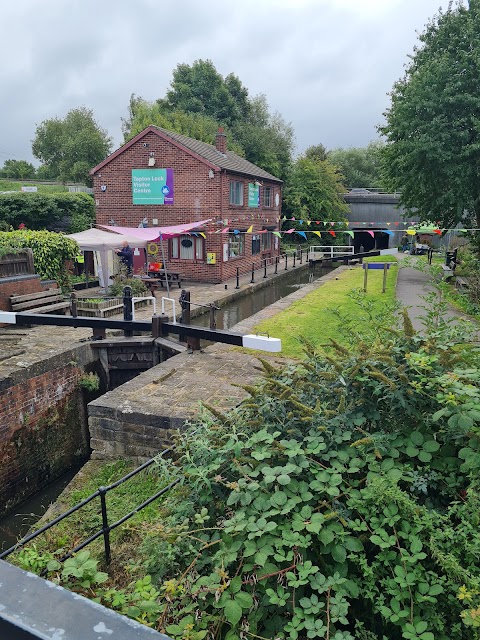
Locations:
column 253, row 195
column 152, row 186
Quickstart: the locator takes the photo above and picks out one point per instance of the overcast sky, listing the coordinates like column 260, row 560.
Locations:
column 325, row 65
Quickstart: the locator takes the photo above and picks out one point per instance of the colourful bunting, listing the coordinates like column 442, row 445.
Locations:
column 317, row 233
column 277, row 233
column 332, row 233
column 290, row 231
column 350, row 233
column 371, row 233
column 225, row 230
column 302, row 233
column 250, row 229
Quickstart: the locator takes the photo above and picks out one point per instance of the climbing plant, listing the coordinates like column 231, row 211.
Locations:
column 50, row 250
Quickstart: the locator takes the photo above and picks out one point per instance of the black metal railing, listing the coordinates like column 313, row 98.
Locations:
column 282, row 260
column 106, row 527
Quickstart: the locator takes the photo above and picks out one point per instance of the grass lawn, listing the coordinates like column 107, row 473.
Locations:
column 313, row 317
column 14, row 185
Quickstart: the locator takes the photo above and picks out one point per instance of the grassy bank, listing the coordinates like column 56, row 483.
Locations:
column 318, row 316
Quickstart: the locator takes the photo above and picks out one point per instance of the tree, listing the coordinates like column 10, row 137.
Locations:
column 316, row 152
column 200, row 100
column 69, row 148
column 194, row 125
column 359, row 165
column 17, row 169
column 433, row 125
column 200, row 88
column 314, row 192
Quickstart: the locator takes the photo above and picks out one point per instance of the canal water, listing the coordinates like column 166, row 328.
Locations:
column 237, row 310
column 17, row 524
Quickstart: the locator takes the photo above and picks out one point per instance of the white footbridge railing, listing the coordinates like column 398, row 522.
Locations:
column 316, row 252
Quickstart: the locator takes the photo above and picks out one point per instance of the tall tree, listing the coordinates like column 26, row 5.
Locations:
column 433, row 124
column 314, row 192
column 316, row 152
column 69, row 148
column 20, row 169
column 361, row 166
column 200, row 88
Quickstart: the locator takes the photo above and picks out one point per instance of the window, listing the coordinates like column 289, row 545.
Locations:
column 255, row 244
column 236, row 245
column 266, row 241
column 187, row 248
column 236, row 192
column 267, row 196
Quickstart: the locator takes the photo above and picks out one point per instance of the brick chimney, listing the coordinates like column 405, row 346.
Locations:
column 221, row 140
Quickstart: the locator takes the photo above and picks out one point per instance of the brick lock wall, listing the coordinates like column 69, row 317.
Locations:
column 42, row 432
column 197, row 196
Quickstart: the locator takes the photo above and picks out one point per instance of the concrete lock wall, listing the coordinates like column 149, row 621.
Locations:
column 43, row 426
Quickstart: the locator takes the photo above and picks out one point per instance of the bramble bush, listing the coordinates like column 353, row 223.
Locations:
column 341, row 501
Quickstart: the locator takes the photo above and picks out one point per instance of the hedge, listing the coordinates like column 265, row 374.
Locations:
column 70, row 212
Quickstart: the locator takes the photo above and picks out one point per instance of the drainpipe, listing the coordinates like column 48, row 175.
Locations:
column 222, row 172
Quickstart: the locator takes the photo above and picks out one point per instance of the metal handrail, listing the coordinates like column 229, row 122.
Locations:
column 106, row 528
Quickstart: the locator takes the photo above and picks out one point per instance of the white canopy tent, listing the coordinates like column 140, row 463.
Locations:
column 103, row 243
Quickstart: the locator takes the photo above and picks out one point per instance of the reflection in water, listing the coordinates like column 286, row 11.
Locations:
column 238, row 310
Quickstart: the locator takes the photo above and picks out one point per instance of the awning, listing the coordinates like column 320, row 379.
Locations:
column 151, row 234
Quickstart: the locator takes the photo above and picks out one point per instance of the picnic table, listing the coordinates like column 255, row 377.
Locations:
column 157, row 279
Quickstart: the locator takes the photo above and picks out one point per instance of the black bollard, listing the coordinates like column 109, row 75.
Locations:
column 238, row 279
column 265, row 268
column 127, row 310
column 253, row 274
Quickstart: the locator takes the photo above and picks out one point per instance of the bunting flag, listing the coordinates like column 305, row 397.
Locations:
column 277, row 233
column 371, row 233
column 390, row 233
column 202, row 234
column 332, row 233
column 411, row 232
column 309, row 222
column 317, row 233
column 350, row 233
column 225, row 230
column 290, row 231
column 439, row 231
column 236, row 231
column 250, row 229
column 302, row 233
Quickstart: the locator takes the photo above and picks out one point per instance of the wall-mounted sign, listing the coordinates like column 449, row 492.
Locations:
column 211, row 258
column 152, row 186
column 253, row 195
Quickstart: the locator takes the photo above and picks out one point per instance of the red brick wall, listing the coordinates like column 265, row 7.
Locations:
column 17, row 286
column 42, row 432
column 197, row 197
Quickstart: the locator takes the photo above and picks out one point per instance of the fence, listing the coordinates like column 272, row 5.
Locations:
column 276, row 262
column 329, row 251
column 17, row 264
column 106, row 527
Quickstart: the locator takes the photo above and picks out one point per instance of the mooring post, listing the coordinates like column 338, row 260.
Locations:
column 385, row 268
column 105, row 528
column 365, row 276
column 127, row 310
column 253, row 273
column 294, row 257
column 213, row 319
column 301, row 256
column 264, row 267
column 186, row 316
column 238, row 279
column 73, row 304
column 286, row 262
column 276, row 264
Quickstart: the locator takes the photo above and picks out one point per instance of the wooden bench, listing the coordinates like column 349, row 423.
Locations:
column 48, row 301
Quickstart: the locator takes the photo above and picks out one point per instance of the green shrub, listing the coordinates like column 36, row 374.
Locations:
column 120, row 282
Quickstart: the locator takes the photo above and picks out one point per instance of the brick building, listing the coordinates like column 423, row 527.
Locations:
column 163, row 178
